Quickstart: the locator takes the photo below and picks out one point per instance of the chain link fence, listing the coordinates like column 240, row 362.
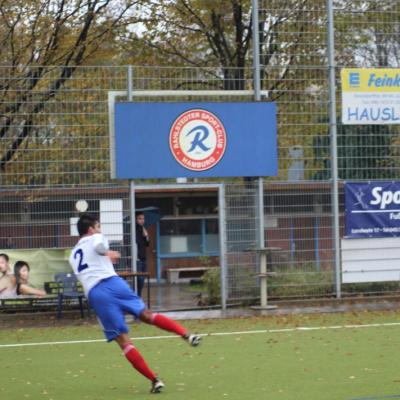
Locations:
column 54, row 144
column 366, row 36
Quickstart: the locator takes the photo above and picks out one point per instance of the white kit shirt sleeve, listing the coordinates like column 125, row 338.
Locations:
column 100, row 244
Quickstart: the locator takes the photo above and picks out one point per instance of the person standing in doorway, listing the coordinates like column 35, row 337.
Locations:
column 142, row 242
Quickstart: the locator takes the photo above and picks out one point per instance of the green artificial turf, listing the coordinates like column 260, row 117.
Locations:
column 331, row 364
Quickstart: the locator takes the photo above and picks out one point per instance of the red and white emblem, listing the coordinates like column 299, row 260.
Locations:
column 197, row 140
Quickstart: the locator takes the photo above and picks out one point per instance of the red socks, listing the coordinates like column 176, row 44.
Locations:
column 168, row 324
column 137, row 361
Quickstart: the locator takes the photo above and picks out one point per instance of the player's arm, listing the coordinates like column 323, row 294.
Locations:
column 101, row 246
column 114, row 256
column 26, row 289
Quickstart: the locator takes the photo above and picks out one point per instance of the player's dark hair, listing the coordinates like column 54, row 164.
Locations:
column 5, row 256
column 137, row 213
column 85, row 222
column 17, row 269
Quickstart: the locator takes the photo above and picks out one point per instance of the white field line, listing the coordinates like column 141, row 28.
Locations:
column 282, row 330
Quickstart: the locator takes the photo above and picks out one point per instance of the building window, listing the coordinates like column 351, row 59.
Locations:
column 183, row 236
column 211, row 235
column 189, row 236
column 197, row 205
column 165, row 204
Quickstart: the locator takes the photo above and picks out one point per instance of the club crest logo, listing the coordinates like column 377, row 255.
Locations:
column 197, row 140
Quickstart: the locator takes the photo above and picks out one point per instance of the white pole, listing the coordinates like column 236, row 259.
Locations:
column 256, row 52
column 333, row 137
column 260, row 201
column 132, row 202
column 222, row 243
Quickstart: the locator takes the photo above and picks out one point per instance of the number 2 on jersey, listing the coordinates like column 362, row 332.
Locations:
column 81, row 266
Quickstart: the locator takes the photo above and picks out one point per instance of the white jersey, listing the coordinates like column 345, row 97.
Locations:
column 89, row 263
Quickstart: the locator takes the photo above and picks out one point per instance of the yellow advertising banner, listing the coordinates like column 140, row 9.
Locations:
column 370, row 96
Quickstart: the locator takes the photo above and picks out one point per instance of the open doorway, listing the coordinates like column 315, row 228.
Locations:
column 184, row 243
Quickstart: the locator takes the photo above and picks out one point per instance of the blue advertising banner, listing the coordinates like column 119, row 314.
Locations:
column 169, row 140
column 372, row 209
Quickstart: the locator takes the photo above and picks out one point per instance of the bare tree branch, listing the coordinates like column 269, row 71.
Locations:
column 44, row 32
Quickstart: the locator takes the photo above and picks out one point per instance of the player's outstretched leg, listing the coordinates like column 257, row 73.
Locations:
column 168, row 324
column 138, row 362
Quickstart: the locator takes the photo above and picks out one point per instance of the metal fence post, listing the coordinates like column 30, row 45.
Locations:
column 333, row 146
column 257, row 97
column 256, row 52
column 132, row 202
column 222, row 243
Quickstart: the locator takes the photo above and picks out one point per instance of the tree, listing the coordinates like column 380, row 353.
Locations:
column 374, row 31
column 42, row 43
column 219, row 34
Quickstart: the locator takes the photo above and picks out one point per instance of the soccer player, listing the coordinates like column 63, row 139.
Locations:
column 111, row 297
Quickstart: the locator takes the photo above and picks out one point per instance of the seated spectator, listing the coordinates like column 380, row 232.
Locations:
column 21, row 272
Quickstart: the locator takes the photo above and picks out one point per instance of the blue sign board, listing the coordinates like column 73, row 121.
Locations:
column 169, row 140
column 372, row 209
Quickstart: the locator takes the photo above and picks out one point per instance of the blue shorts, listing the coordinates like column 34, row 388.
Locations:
column 111, row 299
